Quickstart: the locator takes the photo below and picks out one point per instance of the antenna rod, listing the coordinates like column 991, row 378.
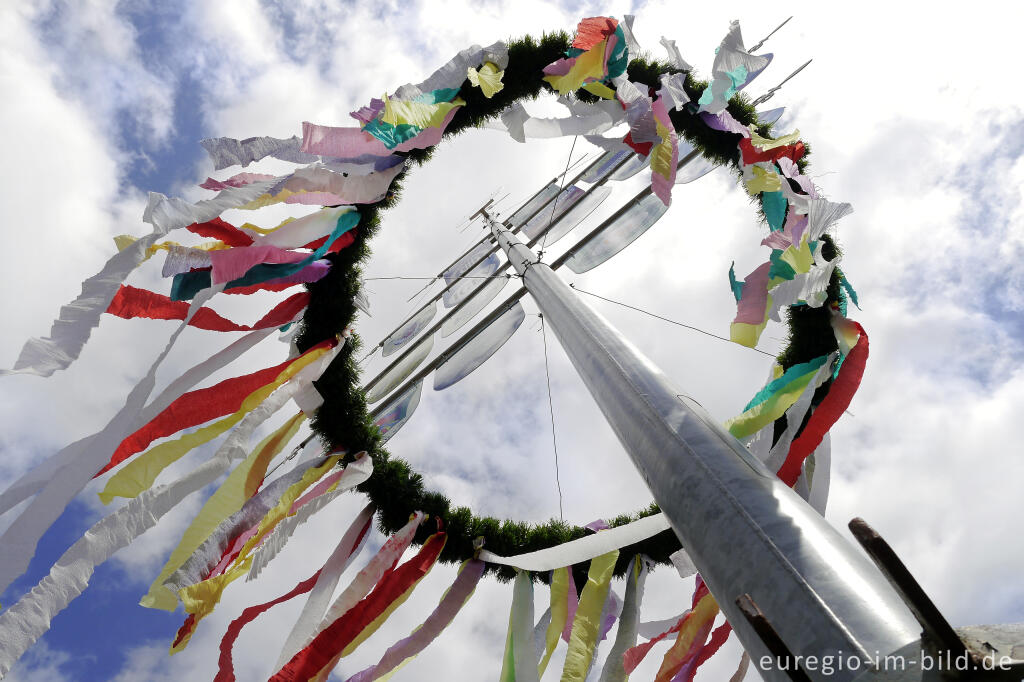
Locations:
column 751, row 536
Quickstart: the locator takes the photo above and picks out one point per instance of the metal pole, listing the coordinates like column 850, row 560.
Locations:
column 752, row 538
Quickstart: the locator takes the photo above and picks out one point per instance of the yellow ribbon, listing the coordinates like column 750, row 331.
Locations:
column 138, row 475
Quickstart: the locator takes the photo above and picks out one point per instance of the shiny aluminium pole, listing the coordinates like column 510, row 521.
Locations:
column 754, row 540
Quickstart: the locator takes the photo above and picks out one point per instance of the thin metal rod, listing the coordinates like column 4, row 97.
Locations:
column 368, row 385
column 508, row 302
column 482, row 258
column 768, row 95
column 765, row 39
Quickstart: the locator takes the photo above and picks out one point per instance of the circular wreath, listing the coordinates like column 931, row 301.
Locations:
column 343, row 421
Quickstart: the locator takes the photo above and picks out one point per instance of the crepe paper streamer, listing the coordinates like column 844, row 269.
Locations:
column 689, row 669
column 732, row 69
column 346, row 633
column 634, row 656
column 822, row 215
column 672, row 91
column 752, row 153
column 30, row 617
column 351, row 189
column 751, row 295
column 639, row 113
column 765, row 144
column 188, row 284
column 344, row 142
column 741, row 668
column 772, row 401
column 201, row 598
column 237, row 180
column 604, row 57
column 759, row 180
column 585, row 119
column 371, row 574
column 320, row 596
column 584, row 549
column 573, row 602
column 655, row 628
column 559, row 614
column 674, row 55
column 37, row 478
column 725, row 121
column 404, row 139
column 454, row 598
column 240, row 485
column 346, row 550
column 774, row 205
column 70, row 331
column 519, row 663
column 829, row 411
column 691, row 638
column 665, row 155
column 453, row 73
column 322, row 494
column 226, row 152
column 313, row 272
column 133, row 302
column 140, row 473
column 221, row 231
column 810, row 288
column 586, row 624
column 79, row 461
column 625, row 638
column 774, row 450
column 792, row 171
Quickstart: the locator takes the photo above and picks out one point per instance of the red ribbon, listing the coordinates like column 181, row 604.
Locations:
column 131, row 302
column 339, row 634
column 829, row 411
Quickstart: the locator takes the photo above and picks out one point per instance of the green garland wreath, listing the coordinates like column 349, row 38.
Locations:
column 343, row 420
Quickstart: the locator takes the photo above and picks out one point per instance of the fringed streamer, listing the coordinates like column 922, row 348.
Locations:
column 629, row 622
column 741, row 669
column 665, row 155
column 572, row 603
column 773, row 454
column 305, row 631
column 773, row 401
column 69, row 333
column 134, row 302
column 342, row 636
column 454, row 598
column 350, row 189
column 309, row 504
column 586, row 119
column 587, row 623
column 313, row 272
column 689, row 669
column 693, row 632
column 187, row 285
column 30, row 617
column 320, row 598
column 221, row 231
column 634, row 656
column 236, row 180
column 201, row 598
column 829, row 411
column 34, row 480
column 559, row 612
column 141, row 471
column 584, row 549
column 226, row 152
column 732, row 69
column 79, row 462
column 519, row 663
column 346, row 550
column 240, row 485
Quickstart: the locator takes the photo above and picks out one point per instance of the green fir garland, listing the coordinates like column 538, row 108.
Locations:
column 343, row 420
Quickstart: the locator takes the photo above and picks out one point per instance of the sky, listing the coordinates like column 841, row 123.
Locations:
column 910, row 116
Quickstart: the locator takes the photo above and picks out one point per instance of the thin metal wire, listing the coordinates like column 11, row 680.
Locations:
column 295, row 451
column 551, row 410
column 665, row 319
column 368, row 279
column 554, row 204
